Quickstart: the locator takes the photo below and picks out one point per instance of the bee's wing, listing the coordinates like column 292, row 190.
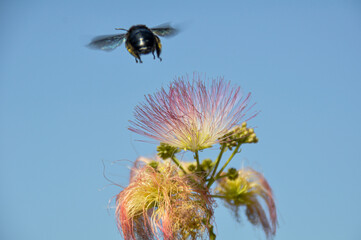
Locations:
column 164, row 30
column 107, row 42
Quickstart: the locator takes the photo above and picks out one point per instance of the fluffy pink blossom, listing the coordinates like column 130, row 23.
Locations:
column 191, row 115
column 162, row 203
column 246, row 190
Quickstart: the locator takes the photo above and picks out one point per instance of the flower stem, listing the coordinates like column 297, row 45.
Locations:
column 218, row 196
column 212, row 235
column 229, row 159
column 196, row 156
column 176, row 161
column 211, row 179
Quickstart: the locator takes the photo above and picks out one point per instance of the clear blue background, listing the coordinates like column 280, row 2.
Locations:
column 65, row 108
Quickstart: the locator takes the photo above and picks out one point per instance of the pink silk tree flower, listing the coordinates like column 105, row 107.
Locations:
column 191, row 115
column 246, row 190
column 160, row 203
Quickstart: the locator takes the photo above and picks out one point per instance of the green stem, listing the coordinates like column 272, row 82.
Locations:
column 223, row 176
column 176, row 161
column 211, row 179
column 218, row 196
column 229, row 159
column 212, row 235
column 210, row 227
column 196, row 156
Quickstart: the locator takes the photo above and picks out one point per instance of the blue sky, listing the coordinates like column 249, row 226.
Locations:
column 65, row 108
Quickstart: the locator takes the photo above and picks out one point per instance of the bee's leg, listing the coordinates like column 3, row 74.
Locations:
column 132, row 51
column 137, row 57
column 158, row 54
column 158, row 47
column 153, row 55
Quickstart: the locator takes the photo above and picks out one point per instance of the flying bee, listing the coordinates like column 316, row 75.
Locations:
column 139, row 40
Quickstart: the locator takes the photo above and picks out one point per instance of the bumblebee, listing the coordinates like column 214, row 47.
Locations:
column 139, row 40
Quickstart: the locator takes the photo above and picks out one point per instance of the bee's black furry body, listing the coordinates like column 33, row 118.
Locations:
column 139, row 40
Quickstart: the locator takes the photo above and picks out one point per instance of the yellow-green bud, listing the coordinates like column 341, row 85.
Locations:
column 238, row 135
column 166, row 151
column 191, row 167
column 153, row 164
column 232, row 174
column 207, row 164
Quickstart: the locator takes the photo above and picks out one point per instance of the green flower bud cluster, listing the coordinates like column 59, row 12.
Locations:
column 239, row 135
column 192, row 167
column 166, row 151
column 154, row 164
column 232, row 174
column 205, row 166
